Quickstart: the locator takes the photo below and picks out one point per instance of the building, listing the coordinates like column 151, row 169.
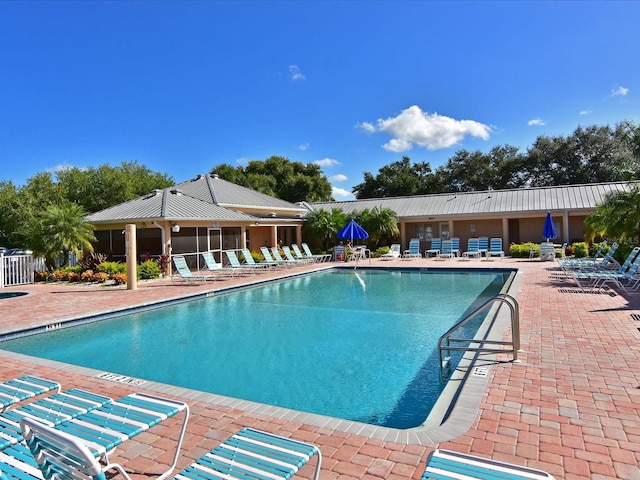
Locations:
column 516, row 215
column 208, row 213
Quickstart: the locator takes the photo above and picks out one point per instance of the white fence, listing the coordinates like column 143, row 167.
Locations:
column 16, row 270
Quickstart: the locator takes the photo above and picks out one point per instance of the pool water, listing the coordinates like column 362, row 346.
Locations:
column 355, row 345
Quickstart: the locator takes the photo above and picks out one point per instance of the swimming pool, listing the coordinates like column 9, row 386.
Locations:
column 355, row 346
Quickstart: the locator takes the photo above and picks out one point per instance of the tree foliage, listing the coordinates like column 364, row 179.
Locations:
column 617, row 218
column 280, row 178
column 324, row 225
column 593, row 154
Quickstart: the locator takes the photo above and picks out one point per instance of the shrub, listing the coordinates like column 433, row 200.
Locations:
column 522, row 250
column 120, row 278
column 41, row 276
column 73, row 277
column 111, row 268
column 569, row 250
column 163, row 263
column 580, row 250
column 148, row 270
column 87, row 276
column 100, row 277
column 383, row 250
column 58, row 275
column 91, row 260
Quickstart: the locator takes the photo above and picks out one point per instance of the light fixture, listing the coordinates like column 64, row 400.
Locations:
column 175, row 228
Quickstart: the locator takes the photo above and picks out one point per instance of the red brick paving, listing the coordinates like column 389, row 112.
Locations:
column 571, row 407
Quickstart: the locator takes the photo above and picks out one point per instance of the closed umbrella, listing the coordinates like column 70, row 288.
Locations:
column 353, row 231
column 549, row 231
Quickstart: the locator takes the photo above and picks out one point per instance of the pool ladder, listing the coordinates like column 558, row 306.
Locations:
column 478, row 345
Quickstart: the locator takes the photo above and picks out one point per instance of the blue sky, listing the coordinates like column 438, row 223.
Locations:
column 183, row 86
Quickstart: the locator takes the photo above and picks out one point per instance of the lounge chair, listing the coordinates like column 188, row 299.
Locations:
column 591, row 263
column 103, row 429
column 270, row 259
column 623, row 277
column 290, row 256
column 446, row 250
column 22, row 388
column 359, row 253
column 319, row 257
column 185, row 273
column 51, row 410
column 414, row 249
column 234, row 261
column 275, row 253
column 394, row 252
column 248, row 259
column 214, row 267
column 495, row 248
column 455, row 246
column 444, row 464
column 253, row 454
column 472, row 249
column 483, row 245
column 434, row 249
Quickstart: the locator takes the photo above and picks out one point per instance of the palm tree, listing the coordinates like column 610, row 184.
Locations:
column 617, row 218
column 324, row 224
column 60, row 229
column 379, row 223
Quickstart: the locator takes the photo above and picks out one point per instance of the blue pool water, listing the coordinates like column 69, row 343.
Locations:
column 360, row 346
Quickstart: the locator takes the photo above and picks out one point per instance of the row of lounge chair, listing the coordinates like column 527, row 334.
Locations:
column 476, row 248
column 69, row 435
column 272, row 259
column 602, row 270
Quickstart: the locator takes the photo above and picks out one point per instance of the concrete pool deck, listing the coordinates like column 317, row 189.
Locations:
column 571, row 407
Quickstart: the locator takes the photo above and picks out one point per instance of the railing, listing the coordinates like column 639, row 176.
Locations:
column 16, row 270
column 444, row 344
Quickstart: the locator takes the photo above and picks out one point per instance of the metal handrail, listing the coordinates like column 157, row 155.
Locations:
column 514, row 308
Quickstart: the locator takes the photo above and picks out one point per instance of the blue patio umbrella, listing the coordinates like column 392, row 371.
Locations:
column 549, row 231
column 353, row 231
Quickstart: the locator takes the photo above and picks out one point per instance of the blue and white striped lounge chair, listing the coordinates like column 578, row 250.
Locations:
column 414, row 249
column 447, row 465
column 446, row 250
column 483, row 245
column 252, row 454
column 275, row 254
column 434, row 248
column 185, row 272
column 319, row 257
column 288, row 255
column 495, row 248
column 269, row 259
column 607, row 262
column 472, row 249
column 51, row 410
column 624, row 277
column 455, row 246
column 234, row 261
column 22, row 388
column 214, row 267
column 248, row 260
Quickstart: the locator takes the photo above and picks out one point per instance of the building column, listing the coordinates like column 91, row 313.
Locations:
column 505, row 234
column 298, row 234
column 274, row 236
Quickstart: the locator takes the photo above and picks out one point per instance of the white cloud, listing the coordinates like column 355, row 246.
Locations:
column 304, row 146
column 61, row 167
column 586, row 111
column 338, row 178
column 366, row 127
column 295, row 72
column 620, row 91
column 242, row 160
column 536, row 122
column 340, row 192
column 327, row 162
column 431, row 131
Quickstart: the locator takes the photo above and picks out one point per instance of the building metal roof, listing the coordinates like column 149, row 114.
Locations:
column 572, row 198
column 205, row 197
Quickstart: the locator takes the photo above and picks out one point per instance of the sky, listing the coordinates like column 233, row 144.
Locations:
column 183, row 86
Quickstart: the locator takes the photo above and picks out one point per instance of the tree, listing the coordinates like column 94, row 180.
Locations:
column 617, row 218
column 398, row 179
column 379, row 223
column 324, row 225
column 60, row 229
column 102, row 187
column 280, row 178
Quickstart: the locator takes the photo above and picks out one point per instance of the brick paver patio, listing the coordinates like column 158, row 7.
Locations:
column 571, row 407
